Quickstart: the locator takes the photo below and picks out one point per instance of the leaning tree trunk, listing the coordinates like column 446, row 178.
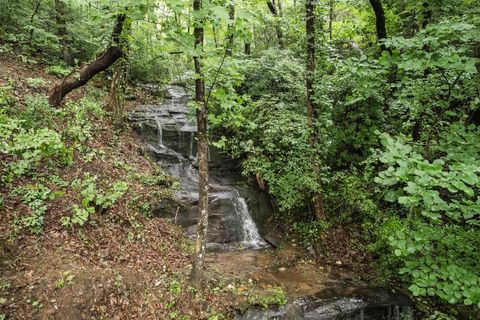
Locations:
column 312, row 111
column 380, row 22
column 199, row 256
column 87, row 72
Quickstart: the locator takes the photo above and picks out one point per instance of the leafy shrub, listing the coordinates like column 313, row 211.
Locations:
column 274, row 297
column 80, row 115
column 34, row 196
column 35, row 82
column 276, row 147
column 30, row 148
column 38, row 113
column 436, row 244
column 58, row 71
column 348, row 196
column 309, row 233
column 6, row 98
column 157, row 178
column 277, row 74
column 93, row 199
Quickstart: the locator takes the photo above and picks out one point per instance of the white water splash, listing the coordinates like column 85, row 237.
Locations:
column 251, row 237
column 160, row 131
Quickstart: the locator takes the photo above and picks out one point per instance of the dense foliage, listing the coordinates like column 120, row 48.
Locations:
column 397, row 124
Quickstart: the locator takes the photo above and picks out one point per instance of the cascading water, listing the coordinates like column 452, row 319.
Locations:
column 160, row 131
column 230, row 219
column 251, row 237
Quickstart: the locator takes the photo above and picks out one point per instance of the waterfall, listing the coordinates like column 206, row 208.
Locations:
column 160, row 133
column 172, row 139
column 251, row 237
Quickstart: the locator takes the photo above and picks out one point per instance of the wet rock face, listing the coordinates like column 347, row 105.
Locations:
column 155, row 90
column 170, row 132
column 335, row 303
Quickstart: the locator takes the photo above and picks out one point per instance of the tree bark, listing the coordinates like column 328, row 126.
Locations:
column 278, row 29
column 62, row 32
column 427, row 14
column 199, row 256
column 248, row 48
column 35, row 12
column 231, row 28
column 280, row 8
column 330, row 20
column 312, row 112
column 87, row 72
column 379, row 22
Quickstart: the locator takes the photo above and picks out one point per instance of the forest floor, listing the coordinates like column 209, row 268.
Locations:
column 123, row 264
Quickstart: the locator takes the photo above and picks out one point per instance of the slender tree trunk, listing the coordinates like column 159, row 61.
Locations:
column 80, row 78
column 35, row 12
column 330, row 20
column 231, row 28
column 278, row 29
column 280, row 8
column 427, row 14
column 215, row 36
column 311, row 108
column 62, row 32
column 379, row 22
column 248, row 48
column 198, row 259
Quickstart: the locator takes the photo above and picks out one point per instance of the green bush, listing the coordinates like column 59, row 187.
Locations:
column 309, row 233
column 30, row 148
column 276, row 147
column 58, row 71
column 38, row 113
column 34, row 196
column 437, row 242
column 93, row 199
column 35, row 82
column 6, row 97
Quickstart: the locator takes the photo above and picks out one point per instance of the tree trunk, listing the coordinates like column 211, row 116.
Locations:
column 379, row 22
column 280, row 8
column 80, row 78
column 199, row 256
column 427, row 14
column 231, row 28
column 62, row 32
column 330, row 20
column 278, row 29
column 115, row 100
column 311, row 108
column 248, row 48
column 35, row 12
column 118, row 87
